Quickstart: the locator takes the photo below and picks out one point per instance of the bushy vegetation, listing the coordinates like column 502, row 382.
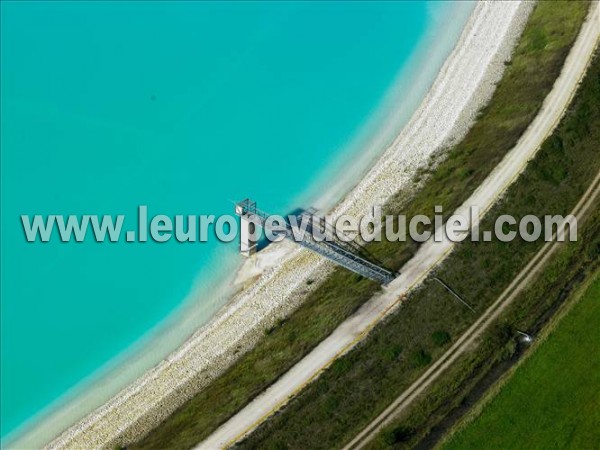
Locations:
column 513, row 106
column 440, row 338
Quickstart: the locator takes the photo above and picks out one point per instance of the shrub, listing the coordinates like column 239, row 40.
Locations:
column 397, row 434
column 440, row 338
column 421, row 358
column 392, row 352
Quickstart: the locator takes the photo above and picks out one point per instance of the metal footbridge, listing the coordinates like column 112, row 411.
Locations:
column 345, row 254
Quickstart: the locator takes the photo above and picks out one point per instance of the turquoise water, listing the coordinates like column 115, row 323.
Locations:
column 178, row 106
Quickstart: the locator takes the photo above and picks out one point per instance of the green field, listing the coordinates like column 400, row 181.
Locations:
column 553, row 398
column 528, row 79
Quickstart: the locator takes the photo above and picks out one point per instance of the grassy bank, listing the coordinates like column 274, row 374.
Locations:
column 529, row 76
column 461, row 387
column 361, row 384
column 557, row 389
column 343, row 292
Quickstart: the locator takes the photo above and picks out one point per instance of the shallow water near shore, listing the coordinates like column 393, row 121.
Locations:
column 181, row 107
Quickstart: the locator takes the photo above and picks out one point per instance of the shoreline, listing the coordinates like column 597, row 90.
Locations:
column 397, row 106
column 282, row 270
column 213, row 291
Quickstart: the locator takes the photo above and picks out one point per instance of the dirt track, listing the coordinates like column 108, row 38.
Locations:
column 521, row 281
